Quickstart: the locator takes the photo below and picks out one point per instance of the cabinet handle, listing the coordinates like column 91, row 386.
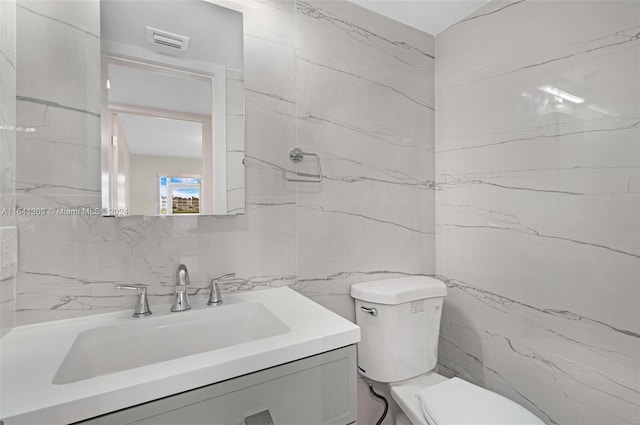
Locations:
column 260, row 418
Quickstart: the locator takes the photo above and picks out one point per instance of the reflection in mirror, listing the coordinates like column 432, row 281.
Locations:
column 173, row 109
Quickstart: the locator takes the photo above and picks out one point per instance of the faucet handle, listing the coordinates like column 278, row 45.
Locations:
column 141, row 308
column 215, row 297
column 223, row 276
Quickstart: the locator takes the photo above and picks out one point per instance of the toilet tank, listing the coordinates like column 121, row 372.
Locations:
column 399, row 322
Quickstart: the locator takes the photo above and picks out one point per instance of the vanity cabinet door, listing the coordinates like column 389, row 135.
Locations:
column 316, row 390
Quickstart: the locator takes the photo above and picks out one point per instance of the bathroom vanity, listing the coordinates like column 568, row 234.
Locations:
column 271, row 353
column 315, row 390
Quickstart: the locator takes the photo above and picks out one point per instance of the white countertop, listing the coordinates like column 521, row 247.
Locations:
column 31, row 355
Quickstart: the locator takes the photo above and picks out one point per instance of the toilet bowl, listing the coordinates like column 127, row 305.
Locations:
column 399, row 321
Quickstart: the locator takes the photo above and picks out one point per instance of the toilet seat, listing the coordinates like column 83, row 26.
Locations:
column 459, row 402
column 432, row 399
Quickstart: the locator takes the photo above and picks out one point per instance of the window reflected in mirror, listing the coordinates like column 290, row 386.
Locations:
column 179, row 195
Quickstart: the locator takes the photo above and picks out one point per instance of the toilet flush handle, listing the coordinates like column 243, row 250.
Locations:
column 371, row 311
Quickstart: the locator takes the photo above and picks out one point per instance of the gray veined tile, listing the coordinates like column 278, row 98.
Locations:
column 73, row 81
column 487, row 10
column 343, row 30
column 572, row 34
column 271, row 20
column 274, row 66
column 565, row 377
column 573, row 180
column 413, row 86
column 496, row 213
column 8, row 34
column 365, row 235
column 84, row 17
column 360, row 108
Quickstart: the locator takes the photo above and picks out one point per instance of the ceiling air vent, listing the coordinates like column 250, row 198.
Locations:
column 167, row 39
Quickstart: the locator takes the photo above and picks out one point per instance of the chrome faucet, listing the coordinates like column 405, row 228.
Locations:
column 141, row 308
column 215, row 297
column 181, row 298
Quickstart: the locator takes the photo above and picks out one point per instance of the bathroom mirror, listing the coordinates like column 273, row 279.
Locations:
column 172, row 108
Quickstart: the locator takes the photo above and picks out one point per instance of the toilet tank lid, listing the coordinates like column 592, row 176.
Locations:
column 399, row 290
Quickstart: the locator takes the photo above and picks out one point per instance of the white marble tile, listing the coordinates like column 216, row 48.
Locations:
column 561, row 220
column 7, row 305
column 8, row 33
column 83, row 16
column 543, row 378
column 274, row 65
column 354, row 35
column 543, row 317
column 525, row 129
column 271, row 20
column 365, row 104
column 526, row 372
column 538, row 237
column 270, row 133
column 68, row 257
column 7, row 149
column 364, row 142
column 7, row 168
column 58, row 62
column 258, row 246
column 63, row 151
column 538, row 37
column 7, row 109
column 270, row 88
column 365, row 236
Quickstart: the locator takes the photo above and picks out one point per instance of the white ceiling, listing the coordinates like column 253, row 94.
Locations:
column 157, row 136
column 161, row 136
column 145, row 87
column 431, row 16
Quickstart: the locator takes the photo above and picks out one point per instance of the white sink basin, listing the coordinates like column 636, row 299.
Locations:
column 71, row 370
column 110, row 349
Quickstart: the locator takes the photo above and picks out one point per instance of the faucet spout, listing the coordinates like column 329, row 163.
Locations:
column 182, row 275
column 181, row 298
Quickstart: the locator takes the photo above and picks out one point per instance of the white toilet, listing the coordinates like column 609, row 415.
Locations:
column 400, row 324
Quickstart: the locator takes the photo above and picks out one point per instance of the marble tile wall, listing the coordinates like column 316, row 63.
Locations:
column 538, row 206
column 7, row 147
column 365, row 104
column 64, row 260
